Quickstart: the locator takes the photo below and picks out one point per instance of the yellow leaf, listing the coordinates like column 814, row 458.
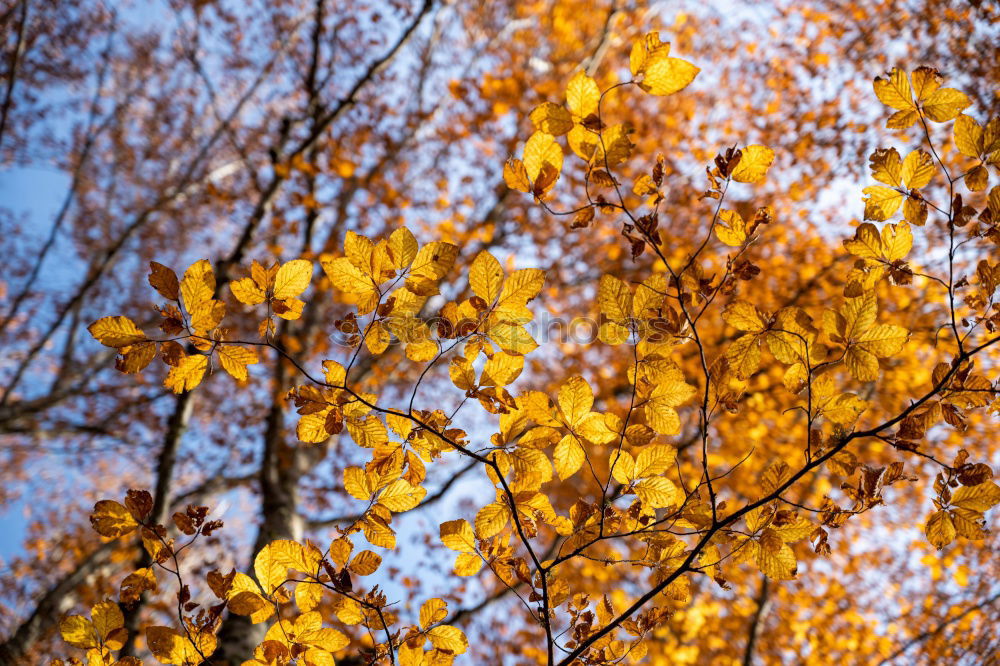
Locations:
column 867, row 242
column 515, row 175
column 340, row 551
column 308, row 596
column 917, row 169
column 116, row 332
column 235, row 359
column 401, row 496
column 642, row 48
column 615, row 146
column 402, row 248
column 292, row 278
column 347, row 277
column 980, row 497
column 945, row 104
column 198, row 284
column 575, row 399
column 844, row 409
column 246, row 291
column 365, row 563
column 541, row 150
column 777, row 565
column 893, row 90
column 925, row 81
column 614, row 299
column 432, row 611
column 656, row 492
column 622, row 466
column 886, row 166
column 467, row 564
column 111, row 519
column 644, row 186
column 512, row 339
column 359, row 250
column 612, row 333
column 583, row 142
column 311, row 428
column 107, row 617
column 940, row 529
column 968, row 136
column 462, row 374
column 795, row 530
column 356, row 483
column 744, row 317
column 247, row 602
column 552, row 118
column 883, row 340
column 520, row 288
column 582, row 95
column 432, row 262
column 187, row 373
column 654, row 459
column 664, row 75
column 732, row 230
column 446, row 637
column 881, row 203
column 744, row 355
column 273, row 561
column 862, row 364
column 207, row 314
column 322, row 638
column 568, row 456
column 491, row 519
column 244, row 583
column 753, row 164
column 977, row 179
column 486, row 277
column 78, row 632
column 457, row 535
column 502, row 369
column 171, row 647
column 897, row 241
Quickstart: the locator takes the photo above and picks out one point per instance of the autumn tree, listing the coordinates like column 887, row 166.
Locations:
column 633, row 337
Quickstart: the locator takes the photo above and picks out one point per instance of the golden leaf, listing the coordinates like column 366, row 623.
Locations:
column 457, row 535
column 401, row 496
column 486, row 277
column 582, row 95
column 198, row 284
column 491, row 519
column 247, row 291
column 292, row 278
column 753, row 164
column 172, row 647
column 664, row 75
column 187, row 373
column 467, row 564
column 541, row 150
column 552, row 119
column 446, row 637
column 432, row 611
column 116, row 332
column 656, row 492
column 79, row 632
column 111, row 519
column 732, row 231
column 365, row 563
column 940, row 529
